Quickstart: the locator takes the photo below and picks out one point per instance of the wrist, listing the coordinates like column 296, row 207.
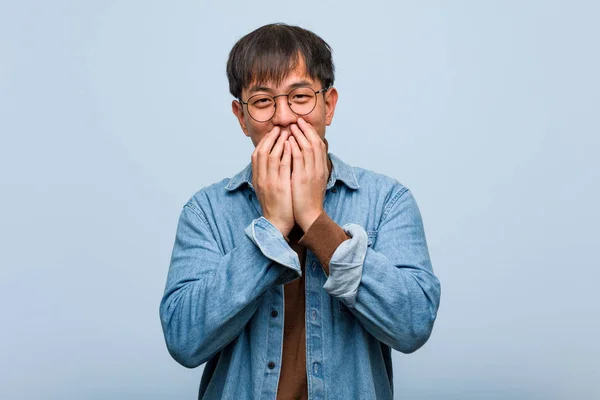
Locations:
column 309, row 219
column 282, row 227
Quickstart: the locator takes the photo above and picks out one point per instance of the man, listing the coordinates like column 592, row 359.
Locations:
column 295, row 278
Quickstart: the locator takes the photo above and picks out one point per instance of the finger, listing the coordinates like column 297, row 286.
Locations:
column 305, row 147
column 264, row 148
column 317, row 143
column 274, row 157
column 301, row 138
column 278, row 148
column 310, row 132
column 286, row 161
column 297, row 157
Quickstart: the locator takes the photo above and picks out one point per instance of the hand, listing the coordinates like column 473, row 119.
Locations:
column 271, row 177
column 309, row 173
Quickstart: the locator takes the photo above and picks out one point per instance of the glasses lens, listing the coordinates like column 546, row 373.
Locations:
column 302, row 100
column 261, row 107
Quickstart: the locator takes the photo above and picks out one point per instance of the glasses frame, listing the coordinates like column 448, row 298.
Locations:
column 325, row 89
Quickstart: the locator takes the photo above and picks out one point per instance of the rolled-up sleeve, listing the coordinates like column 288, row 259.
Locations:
column 275, row 247
column 346, row 265
column 341, row 251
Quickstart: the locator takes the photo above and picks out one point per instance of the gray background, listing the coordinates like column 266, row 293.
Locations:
column 112, row 114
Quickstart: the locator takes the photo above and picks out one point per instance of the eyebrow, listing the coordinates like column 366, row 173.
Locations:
column 258, row 88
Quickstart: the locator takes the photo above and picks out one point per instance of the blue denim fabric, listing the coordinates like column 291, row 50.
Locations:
column 227, row 272
column 346, row 264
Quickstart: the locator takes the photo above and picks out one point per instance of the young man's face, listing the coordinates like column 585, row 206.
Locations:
column 320, row 117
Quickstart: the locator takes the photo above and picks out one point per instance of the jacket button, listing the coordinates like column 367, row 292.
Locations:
column 334, row 190
column 274, row 313
column 271, row 365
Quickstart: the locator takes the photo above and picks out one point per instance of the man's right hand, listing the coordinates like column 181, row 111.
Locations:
column 271, row 178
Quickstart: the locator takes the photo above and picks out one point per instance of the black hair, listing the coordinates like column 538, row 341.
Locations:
column 270, row 52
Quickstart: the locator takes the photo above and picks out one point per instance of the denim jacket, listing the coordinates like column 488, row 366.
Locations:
column 226, row 277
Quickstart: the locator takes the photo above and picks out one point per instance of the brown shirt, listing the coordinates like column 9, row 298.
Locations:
column 322, row 238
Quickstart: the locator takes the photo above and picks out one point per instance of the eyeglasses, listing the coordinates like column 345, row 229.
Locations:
column 301, row 100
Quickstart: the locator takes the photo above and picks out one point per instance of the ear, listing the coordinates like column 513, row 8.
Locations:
column 238, row 111
column 331, row 98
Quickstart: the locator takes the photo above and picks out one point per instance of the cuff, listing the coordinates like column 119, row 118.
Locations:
column 273, row 245
column 323, row 238
column 346, row 266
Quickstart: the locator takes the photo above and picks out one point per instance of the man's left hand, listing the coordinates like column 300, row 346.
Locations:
column 309, row 173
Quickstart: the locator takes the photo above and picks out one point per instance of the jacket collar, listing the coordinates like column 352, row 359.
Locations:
column 340, row 171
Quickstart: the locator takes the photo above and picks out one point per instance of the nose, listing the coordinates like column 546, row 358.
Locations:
column 284, row 116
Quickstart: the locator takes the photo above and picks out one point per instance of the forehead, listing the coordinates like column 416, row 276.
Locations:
column 295, row 76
